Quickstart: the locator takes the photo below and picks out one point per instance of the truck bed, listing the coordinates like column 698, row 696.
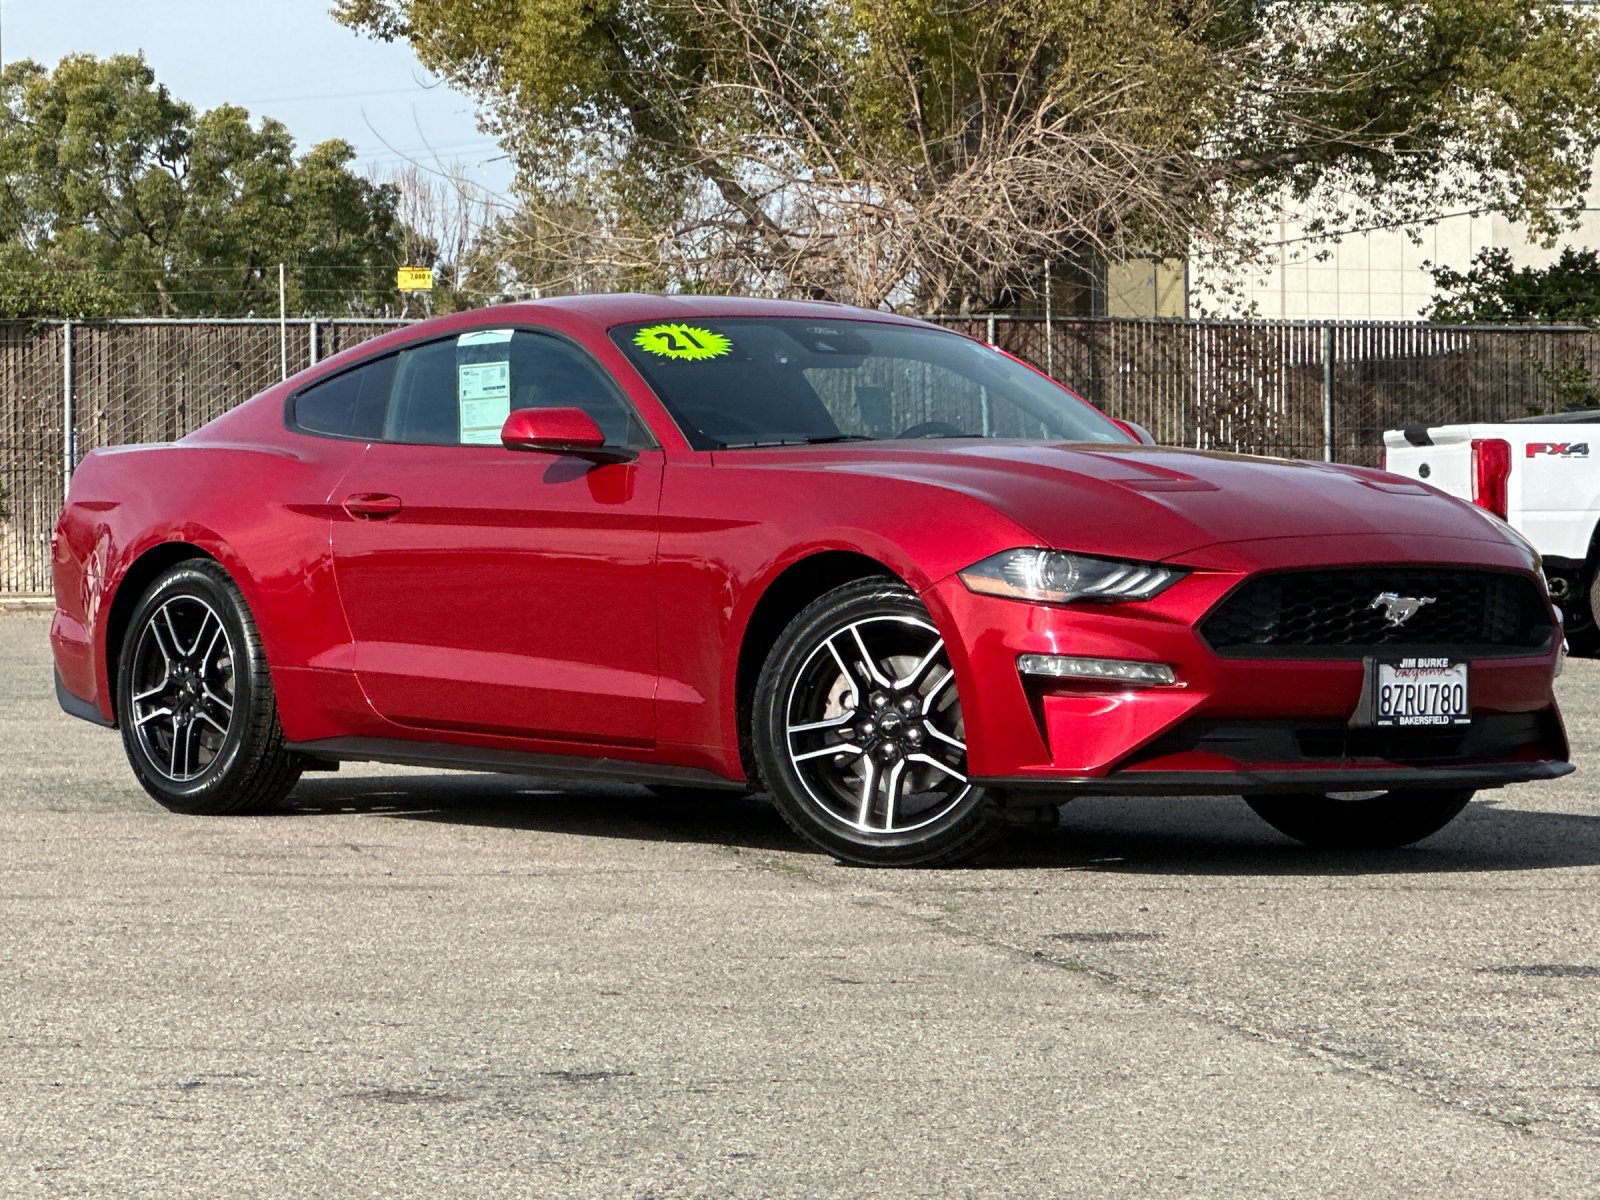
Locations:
column 1539, row 474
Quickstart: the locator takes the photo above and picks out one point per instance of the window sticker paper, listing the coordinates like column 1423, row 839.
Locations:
column 483, row 391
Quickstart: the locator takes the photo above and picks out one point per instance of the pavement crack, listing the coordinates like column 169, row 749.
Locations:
column 1334, row 1058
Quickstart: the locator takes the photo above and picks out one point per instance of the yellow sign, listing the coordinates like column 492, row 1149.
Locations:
column 682, row 341
column 414, row 279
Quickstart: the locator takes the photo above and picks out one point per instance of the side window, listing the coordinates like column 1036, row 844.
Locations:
column 350, row 404
column 423, row 408
column 547, row 372
column 460, row 390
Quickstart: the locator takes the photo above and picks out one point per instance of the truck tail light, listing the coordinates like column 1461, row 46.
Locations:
column 1491, row 471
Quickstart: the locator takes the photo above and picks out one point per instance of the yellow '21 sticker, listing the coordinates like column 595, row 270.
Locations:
column 682, row 341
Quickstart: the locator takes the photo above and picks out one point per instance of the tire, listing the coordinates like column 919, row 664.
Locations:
column 192, row 650
column 1584, row 642
column 1382, row 822
column 1584, row 639
column 895, row 793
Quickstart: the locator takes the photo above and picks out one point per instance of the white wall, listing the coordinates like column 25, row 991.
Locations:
column 1377, row 274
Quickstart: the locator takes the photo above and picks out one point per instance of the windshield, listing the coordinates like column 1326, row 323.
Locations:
column 762, row 382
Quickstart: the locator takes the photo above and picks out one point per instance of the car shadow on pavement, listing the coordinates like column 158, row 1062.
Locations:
column 605, row 810
column 1208, row 835
column 1219, row 835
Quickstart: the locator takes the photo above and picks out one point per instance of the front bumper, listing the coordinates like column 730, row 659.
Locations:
column 1229, row 725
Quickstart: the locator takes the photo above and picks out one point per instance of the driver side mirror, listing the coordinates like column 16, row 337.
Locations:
column 567, row 431
column 1137, row 432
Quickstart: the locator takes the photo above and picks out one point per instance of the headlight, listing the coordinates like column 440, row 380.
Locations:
column 1057, row 576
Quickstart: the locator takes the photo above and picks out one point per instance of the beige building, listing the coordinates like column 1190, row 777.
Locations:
column 1382, row 274
column 1141, row 288
column 1370, row 273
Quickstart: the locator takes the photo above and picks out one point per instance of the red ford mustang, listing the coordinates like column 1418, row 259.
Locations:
column 901, row 581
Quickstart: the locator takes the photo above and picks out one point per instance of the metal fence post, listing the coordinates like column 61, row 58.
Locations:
column 67, row 435
column 313, row 333
column 283, row 325
column 1327, row 393
column 1049, row 320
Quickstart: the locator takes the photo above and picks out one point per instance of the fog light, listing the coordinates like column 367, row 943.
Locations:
column 1115, row 670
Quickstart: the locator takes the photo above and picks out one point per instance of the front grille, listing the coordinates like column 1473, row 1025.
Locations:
column 1330, row 613
column 1394, row 745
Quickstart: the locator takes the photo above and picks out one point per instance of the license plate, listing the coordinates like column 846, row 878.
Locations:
column 1416, row 691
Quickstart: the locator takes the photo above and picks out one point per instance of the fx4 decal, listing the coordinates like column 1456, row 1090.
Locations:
column 1559, row 449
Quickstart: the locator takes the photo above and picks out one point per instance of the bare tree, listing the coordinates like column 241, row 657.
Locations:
column 936, row 152
column 443, row 215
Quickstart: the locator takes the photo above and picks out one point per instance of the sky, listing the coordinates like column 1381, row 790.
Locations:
column 282, row 58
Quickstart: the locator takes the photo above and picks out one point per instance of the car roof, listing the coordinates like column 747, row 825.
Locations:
column 1581, row 416
column 626, row 308
column 603, row 311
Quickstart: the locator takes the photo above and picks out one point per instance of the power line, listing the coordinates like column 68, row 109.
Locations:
column 230, row 267
column 410, row 91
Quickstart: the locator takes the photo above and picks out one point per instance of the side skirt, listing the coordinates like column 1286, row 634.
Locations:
column 445, row 756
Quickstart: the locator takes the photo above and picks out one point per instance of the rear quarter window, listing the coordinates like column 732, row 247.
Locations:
column 351, row 404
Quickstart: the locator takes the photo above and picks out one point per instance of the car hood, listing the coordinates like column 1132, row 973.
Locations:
column 1156, row 503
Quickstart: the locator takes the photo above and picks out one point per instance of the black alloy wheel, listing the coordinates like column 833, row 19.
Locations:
column 194, row 698
column 859, row 733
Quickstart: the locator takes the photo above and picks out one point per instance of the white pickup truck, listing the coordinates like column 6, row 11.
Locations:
column 1542, row 476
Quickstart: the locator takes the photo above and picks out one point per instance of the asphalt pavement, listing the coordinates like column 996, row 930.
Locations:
column 414, row 984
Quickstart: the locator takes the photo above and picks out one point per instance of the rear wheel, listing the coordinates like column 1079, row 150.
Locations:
column 1360, row 822
column 859, row 733
column 194, row 698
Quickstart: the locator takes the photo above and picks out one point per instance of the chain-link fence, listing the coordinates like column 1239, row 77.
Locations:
column 1301, row 390
column 1298, row 389
column 67, row 388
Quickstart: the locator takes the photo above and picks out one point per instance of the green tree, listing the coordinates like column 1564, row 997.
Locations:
column 32, row 285
column 939, row 150
column 117, row 198
column 1493, row 289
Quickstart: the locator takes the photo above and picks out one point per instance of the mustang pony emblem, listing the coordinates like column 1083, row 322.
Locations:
column 1398, row 609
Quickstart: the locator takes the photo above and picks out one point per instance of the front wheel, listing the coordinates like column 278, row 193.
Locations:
column 194, row 698
column 859, row 733
column 1367, row 822
column 1583, row 637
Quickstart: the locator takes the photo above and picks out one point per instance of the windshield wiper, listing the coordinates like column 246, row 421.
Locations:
column 816, row 441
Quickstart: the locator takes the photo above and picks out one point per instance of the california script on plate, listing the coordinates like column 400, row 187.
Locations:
column 1422, row 691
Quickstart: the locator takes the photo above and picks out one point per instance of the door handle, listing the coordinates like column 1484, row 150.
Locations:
column 372, row 506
